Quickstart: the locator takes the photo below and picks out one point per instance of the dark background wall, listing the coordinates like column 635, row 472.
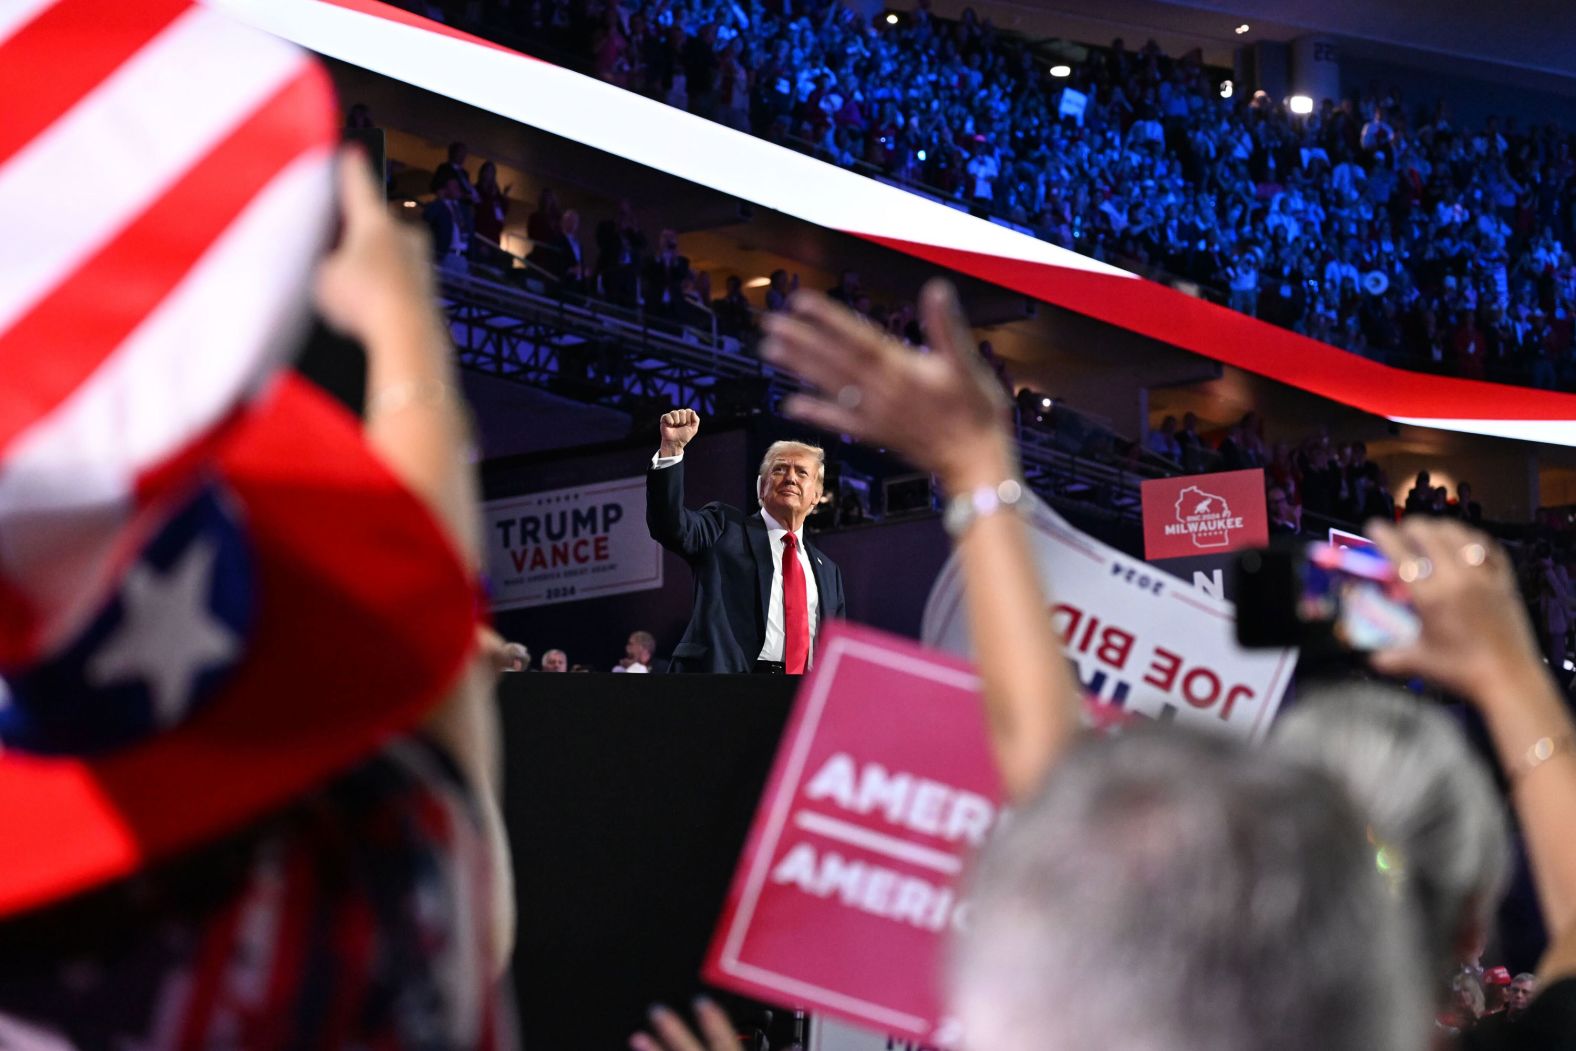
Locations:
column 627, row 801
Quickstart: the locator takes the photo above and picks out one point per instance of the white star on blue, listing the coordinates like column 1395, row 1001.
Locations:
column 157, row 651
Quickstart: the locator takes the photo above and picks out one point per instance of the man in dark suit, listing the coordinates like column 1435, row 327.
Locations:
column 448, row 218
column 762, row 591
column 663, row 276
column 566, row 259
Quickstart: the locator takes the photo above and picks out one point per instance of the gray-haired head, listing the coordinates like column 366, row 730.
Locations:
column 776, row 449
column 1430, row 799
column 1167, row 890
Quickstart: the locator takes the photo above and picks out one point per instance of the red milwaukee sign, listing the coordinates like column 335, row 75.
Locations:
column 1204, row 514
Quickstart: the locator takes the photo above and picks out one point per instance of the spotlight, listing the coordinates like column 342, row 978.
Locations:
column 1061, row 71
column 1226, row 89
column 409, row 203
column 1301, row 105
column 920, row 154
column 891, row 18
column 1045, row 403
column 757, row 282
column 1243, row 28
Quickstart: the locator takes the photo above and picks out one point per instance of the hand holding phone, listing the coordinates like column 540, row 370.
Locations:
column 1322, row 595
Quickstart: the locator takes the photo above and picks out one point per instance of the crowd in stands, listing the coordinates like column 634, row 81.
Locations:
column 620, row 265
column 1375, row 224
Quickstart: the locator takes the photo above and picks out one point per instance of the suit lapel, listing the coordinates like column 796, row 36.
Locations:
column 761, row 548
column 817, row 567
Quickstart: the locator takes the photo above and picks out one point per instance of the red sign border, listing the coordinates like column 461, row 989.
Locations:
column 724, row 958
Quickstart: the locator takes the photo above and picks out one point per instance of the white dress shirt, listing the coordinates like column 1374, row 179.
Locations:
column 775, row 531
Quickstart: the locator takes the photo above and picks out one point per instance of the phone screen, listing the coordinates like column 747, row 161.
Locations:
column 1358, row 595
column 1322, row 596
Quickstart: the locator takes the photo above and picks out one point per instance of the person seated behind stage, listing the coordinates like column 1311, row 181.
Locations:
column 638, row 653
column 515, row 657
column 555, row 660
column 762, row 590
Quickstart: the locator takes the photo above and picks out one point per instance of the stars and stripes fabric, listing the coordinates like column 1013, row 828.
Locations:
column 214, row 597
column 165, row 180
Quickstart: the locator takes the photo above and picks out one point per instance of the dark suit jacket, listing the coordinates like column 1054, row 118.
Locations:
column 441, row 221
column 730, row 554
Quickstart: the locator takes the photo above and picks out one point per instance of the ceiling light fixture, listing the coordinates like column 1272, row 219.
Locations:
column 1061, row 71
column 1301, row 105
column 891, row 18
column 1243, row 28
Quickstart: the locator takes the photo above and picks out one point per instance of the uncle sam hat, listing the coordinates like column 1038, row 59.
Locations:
column 213, row 596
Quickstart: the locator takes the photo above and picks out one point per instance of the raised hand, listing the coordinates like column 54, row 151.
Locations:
column 1475, row 634
column 678, row 429
column 380, row 275
column 673, row 1035
column 944, row 411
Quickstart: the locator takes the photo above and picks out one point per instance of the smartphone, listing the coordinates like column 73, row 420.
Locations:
column 1319, row 595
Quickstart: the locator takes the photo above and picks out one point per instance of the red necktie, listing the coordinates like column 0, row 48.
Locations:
column 796, row 610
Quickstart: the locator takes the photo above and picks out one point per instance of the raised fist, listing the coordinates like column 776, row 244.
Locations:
column 678, row 429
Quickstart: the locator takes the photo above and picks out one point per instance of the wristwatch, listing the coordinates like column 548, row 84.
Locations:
column 962, row 510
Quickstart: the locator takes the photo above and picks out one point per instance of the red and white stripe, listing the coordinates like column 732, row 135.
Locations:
column 164, row 197
column 435, row 57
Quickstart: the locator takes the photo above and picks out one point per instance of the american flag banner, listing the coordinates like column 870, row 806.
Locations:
column 165, row 180
column 186, row 644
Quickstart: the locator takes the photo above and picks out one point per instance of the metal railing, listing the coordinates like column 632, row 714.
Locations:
column 595, row 351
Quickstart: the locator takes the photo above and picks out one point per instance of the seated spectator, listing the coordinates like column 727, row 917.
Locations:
column 1232, row 456
column 454, row 168
column 693, row 309
column 492, row 208
column 1370, row 497
column 847, row 289
column 662, row 283
column 638, row 651
column 1421, row 499
column 542, row 226
column 1285, row 518
column 1466, row 508
column 621, row 249
column 1496, row 990
column 555, row 661
column 563, row 257
column 1163, row 441
column 778, row 291
column 734, row 315
column 1465, row 1007
column 516, row 657
column 448, row 219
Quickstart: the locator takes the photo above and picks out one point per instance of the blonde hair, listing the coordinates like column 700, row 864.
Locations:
column 776, row 449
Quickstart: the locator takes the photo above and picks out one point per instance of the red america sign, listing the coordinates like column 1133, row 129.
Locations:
column 1204, row 514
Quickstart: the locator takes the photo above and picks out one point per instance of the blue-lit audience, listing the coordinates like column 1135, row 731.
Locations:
column 1371, row 224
